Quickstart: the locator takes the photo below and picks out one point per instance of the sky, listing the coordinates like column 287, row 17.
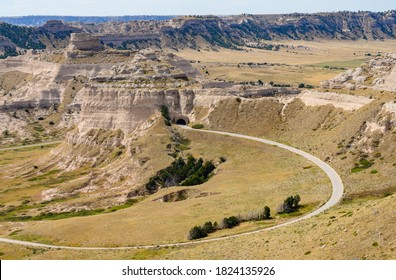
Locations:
column 184, row 7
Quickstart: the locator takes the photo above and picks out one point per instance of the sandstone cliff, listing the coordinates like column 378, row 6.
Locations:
column 378, row 73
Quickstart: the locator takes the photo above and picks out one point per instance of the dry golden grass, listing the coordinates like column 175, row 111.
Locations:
column 15, row 189
column 253, row 176
column 360, row 229
column 303, row 62
column 309, row 53
column 291, row 75
column 13, row 79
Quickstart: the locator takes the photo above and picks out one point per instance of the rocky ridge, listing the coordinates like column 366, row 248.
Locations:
column 198, row 32
column 378, row 73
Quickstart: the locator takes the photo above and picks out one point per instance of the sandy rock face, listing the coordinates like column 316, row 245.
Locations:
column 84, row 42
column 113, row 108
column 344, row 101
column 378, row 73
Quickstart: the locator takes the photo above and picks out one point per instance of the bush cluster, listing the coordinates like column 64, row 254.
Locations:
column 291, row 204
column 230, row 222
column 181, row 173
column 202, row 231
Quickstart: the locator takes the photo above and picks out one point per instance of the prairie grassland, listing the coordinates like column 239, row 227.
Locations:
column 348, row 231
column 254, row 175
column 292, row 75
column 16, row 189
column 302, row 62
column 304, row 53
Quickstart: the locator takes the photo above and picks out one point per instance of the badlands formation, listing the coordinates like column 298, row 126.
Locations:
column 118, row 100
column 104, row 104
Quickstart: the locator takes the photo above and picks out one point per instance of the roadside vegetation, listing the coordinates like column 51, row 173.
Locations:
column 181, row 172
column 290, row 204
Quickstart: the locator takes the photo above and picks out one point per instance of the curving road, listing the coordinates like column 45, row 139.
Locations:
column 337, row 192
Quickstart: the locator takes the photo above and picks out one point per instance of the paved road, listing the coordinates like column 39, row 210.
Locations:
column 30, row 146
column 337, row 192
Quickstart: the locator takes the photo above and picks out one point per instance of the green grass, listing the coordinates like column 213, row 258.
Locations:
column 198, row 126
column 11, row 216
column 44, row 176
column 341, row 64
column 362, row 165
column 128, row 204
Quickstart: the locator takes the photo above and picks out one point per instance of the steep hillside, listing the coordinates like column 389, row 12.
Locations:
column 17, row 39
column 41, row 20
column 199, row 32
column 247, row 30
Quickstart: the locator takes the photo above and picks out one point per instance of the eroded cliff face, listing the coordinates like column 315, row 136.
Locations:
column 135, row 90
column 378, row 73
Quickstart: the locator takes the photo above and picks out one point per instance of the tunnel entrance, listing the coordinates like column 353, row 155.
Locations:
column 181, row 122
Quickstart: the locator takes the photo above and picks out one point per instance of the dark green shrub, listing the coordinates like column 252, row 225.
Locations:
column 291, row 204
column 267, row 213
column 230, row 222
column 209, row 227
column 196, row 233
column 181, row 173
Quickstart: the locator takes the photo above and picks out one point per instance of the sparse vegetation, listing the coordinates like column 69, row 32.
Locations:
column 362, row 165
column 165, row 113
column 198, row 126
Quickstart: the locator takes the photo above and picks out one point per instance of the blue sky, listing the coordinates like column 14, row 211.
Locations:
column 183, row 7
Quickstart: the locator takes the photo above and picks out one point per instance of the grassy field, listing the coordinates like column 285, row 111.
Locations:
column 247, row 181
column 302, row 62
column 348, row 231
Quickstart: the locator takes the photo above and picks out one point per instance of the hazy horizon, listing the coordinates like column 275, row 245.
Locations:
column 104, row 8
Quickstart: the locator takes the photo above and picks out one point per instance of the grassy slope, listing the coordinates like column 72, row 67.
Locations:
column 248, row 180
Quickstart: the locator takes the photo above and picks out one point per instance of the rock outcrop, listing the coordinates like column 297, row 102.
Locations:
column 344, row 101
column 378, row 73
column 57, row 26
column 84, row 42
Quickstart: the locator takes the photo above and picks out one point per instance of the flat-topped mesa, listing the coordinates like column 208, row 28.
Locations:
column 57, row 26
column 84, row 42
